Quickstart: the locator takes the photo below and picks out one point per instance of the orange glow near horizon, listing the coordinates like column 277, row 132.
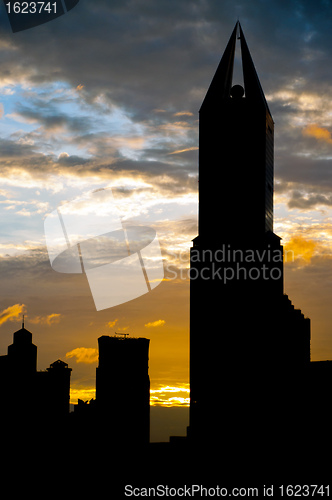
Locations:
column 83, row 393
column 163, row 396
column 299, row 248
column 170, row 396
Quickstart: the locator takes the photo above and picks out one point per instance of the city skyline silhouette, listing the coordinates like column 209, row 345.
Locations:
column 253, row 384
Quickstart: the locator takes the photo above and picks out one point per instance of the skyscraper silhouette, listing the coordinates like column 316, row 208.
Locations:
column 249, row 347
column 123, row 389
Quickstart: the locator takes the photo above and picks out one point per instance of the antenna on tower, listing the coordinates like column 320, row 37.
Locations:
column 238, row 29
column 23, row 321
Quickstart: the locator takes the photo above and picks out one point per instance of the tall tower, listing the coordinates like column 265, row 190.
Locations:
column 123, row 390
column 246, row 338
column 235, row 154
column 23, row 353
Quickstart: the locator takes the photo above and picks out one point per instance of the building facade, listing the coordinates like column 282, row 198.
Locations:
column 30, row 396
column 123, row 389
column 249, row 346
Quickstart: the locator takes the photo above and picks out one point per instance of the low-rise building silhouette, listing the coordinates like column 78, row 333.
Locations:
column 40, row 398
column 37, row 397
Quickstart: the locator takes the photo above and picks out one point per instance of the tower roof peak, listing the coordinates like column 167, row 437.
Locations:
column 221, row 85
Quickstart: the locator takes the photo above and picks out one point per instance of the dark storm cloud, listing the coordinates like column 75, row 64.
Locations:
column 133, row 52
column 296, row 165
column 16, row 154
column 72, row 160
column 305, row 170
column 307, row 181
column 146, row 55
column 298, row 200
column 11, row 149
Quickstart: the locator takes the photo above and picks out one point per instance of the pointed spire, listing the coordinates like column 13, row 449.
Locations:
column 23, row 321
column 221, row 84
column 252, row 86
column 222, row 81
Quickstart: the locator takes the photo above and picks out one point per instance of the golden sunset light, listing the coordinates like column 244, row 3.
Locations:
column 170, row 396
column 141, row 141
column 163, row 396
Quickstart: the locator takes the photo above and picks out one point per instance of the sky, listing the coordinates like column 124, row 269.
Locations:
column 107, row 96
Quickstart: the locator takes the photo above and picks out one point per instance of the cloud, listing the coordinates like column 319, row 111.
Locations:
column 1, row 110
column 151, row 82
column 12, row 313
column 81, row 392
column 153, row 324
column 110, row 324
column 184, row 113
column 51, row 118
column 163, row 56
column 305, row 174
column 49, row 320
column 317, row 132
column 63, row 155
column 83, row 354
column 299, row 248
column 161, row 396
column 40, row 207
column 123, row 328
column 194, row 148
column 307, row 201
